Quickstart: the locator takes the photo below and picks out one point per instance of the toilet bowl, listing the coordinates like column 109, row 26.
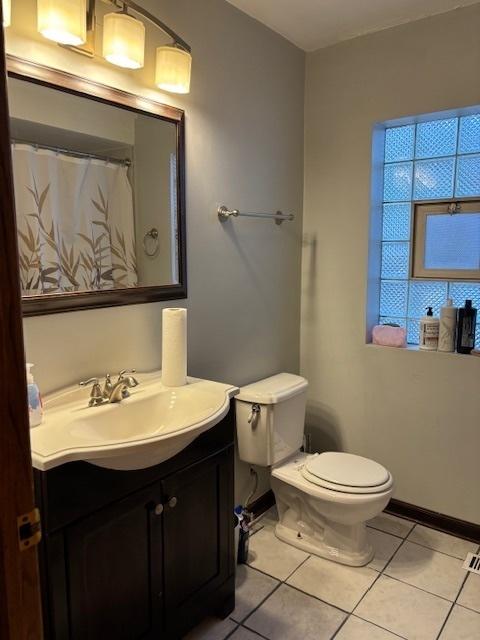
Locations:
column 324, row 499
column 324, row 517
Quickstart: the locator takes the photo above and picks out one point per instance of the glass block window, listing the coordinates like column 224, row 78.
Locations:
column 437, row 160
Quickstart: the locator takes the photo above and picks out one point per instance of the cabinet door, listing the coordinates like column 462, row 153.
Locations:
column 114, row 569
column 198, row 537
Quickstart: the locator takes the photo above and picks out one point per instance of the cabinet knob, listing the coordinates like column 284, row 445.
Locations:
column 158, row 510
column 172, row 503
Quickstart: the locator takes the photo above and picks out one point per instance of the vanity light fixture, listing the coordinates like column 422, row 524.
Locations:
column 173, row 70
column 7, row 12
column 71, row 23
column 123, row 40
column 63, row 21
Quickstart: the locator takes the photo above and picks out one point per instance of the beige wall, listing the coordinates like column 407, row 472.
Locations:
column 244, row 148
column 417, row 413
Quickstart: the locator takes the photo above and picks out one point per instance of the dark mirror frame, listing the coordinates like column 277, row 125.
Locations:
column 62, row 302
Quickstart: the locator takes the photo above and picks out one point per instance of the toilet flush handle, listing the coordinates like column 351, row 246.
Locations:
column 254, row 415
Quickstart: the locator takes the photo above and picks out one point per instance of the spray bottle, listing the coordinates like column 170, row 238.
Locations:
column 35, row 407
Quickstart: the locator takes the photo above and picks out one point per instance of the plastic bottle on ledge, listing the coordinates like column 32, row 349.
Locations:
column 467, row 320
column 448, row 327
column 429, row 330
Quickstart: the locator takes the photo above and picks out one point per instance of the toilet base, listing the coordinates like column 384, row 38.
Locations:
column 319, row 547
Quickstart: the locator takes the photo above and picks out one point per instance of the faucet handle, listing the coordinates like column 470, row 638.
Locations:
column 84, row 383
column 107, row 387
column 96, row 395
column 124, row 371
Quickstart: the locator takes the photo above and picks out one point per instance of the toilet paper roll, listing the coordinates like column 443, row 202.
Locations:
column 174, row 347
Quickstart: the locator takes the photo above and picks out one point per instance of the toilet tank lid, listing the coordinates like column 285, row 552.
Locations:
column 274, row 389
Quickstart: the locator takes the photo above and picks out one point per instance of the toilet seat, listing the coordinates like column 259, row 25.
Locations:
column 346, row 473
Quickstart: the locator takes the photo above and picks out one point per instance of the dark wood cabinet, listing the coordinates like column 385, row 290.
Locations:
column 115, row 570
column 140, row 554
column 198, row 527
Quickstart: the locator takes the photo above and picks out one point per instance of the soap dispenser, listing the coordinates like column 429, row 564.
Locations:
column 35, row 408
column 429, row 330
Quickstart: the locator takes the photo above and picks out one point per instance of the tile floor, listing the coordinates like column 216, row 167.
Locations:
column 415, row 588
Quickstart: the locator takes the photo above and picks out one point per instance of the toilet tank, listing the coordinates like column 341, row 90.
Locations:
column 270, row 418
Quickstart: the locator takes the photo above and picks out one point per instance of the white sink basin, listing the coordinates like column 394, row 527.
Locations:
column 154, row 424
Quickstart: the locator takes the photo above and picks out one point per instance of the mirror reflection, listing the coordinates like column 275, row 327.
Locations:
column 95, row 191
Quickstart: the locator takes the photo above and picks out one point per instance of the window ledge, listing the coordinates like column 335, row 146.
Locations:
column 415, row 347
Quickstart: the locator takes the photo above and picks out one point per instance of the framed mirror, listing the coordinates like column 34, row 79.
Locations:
column 99, row 178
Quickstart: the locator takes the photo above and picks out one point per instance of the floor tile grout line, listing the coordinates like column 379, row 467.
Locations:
column 241, row 626
column 379, row 573
column 344, row 622
column 464, row 606
column 452, row 607
column 413, row 585
column 445, row 621
column 379, row 626
column 461, row 587
column 310, row 595
column 269, row 575
column 389, row 559
column 382, row 572
column 260, row 635
column 396, row 535
column 295, row 570
column 424, row 546
column 349, row 614
column 277, row 586
column 230, row 633
column 251, row 629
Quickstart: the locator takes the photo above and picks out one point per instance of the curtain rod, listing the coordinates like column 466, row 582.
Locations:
column 74, row 154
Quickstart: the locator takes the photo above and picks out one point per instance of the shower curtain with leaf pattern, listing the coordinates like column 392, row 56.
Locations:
column 75, row 222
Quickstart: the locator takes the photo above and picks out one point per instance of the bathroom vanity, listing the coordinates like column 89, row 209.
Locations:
column 142, row 553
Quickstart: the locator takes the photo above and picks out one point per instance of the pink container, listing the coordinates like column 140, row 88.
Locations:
column 389, row 336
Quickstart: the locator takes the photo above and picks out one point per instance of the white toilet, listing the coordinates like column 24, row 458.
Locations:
column 324, row 500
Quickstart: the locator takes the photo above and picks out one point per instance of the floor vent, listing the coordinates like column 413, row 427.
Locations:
column 472, row 562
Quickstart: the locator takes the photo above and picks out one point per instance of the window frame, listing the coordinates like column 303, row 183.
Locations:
column 420, row 211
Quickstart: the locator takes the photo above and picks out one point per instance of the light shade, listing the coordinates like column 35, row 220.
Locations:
column 7, row 12
column 63, row 21
column 123, row 40
column 174, row 66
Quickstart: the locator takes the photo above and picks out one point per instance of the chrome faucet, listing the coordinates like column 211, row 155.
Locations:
column 112, row 393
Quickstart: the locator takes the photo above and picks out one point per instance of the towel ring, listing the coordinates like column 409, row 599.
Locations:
column 154, row 244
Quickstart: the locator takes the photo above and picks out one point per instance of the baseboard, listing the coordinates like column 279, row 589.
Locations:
column 262, row 504
column 432, row 519
column 435, row 520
